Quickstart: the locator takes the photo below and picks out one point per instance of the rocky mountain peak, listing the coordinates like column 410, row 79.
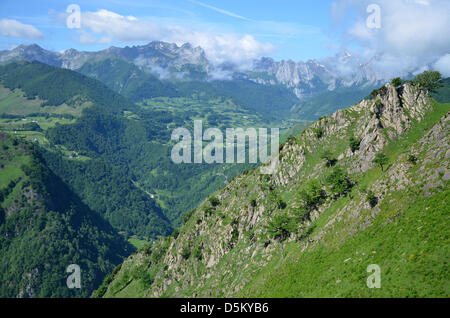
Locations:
column 377, row 121
column 29, row 52
column 29, row 48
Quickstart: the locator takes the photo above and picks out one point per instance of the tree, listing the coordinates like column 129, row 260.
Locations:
column 214, row 201
column 185, row 251
column 330, row 159
column 429, row 80
column 2, row 215
column 397, row 82
column 381, row 160
column 281, row 204
column 197, row 252
column 378, row 92
column 281, row 227
column 371, row 198
column 412, row 159
column 340, row 182
column 354, row 143
column 319, row 132
column 313, row 195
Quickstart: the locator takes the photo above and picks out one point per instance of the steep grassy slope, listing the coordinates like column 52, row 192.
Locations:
column 44, row 227
column 14, row 102
column 313, row 227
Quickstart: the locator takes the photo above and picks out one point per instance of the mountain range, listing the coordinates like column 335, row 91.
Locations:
column 168, row 60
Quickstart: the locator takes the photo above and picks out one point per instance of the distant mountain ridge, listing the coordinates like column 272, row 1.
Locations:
column 307, row 79
column 168, row 60
column 153, row 57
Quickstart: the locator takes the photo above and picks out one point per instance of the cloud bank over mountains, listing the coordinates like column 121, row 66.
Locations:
column 410, row 40
column 413, row 34
column 105, row 26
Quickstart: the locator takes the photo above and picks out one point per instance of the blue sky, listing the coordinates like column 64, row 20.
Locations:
column 297, row 29
column 412, row 35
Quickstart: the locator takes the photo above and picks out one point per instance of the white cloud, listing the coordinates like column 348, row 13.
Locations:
column 221, row 48
column 443, row 65
column 105, row 26
column 413, row 33
column 86, row 38
column 424, row 2
column 228, row 13
column 16, row 29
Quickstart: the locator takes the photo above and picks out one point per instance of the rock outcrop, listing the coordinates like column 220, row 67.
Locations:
column 221, row 249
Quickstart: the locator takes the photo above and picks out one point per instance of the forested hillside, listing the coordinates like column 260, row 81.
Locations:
column 45, row 227
column 56, row 86
column 128, row 79
column 102, row 185
column 115, row 155
column 271, row 102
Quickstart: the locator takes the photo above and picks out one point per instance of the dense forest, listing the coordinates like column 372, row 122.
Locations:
column 126, row 174
column 142, row 156
column 108, row 191
column 45, row 227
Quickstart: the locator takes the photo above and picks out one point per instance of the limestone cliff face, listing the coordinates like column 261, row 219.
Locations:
column 221, row 248
column 375, row 122
column 311, row 77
